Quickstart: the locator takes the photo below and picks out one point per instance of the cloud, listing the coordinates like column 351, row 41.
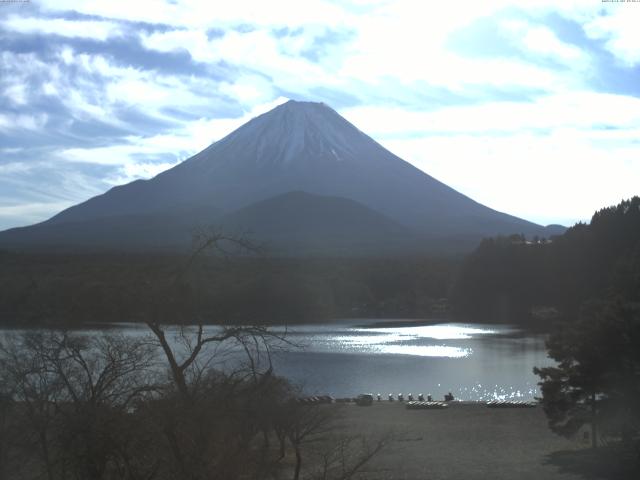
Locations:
column 34, row 187
column 560, row 177
column 12, row 122
column 97, row 93
column 619, row 31
column 542, row 41
column 202, row 13
column 159, row 152
column 258, row 51
column 13, row 167
column 28, row 213
column 578, row 110
column 99, row 30
column 555, row 159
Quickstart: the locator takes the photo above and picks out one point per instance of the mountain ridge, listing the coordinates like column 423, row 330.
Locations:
column 302, row 147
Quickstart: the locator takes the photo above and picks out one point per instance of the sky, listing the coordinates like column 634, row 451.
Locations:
column 531, row 107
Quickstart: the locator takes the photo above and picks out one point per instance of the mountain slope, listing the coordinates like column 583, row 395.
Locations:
column 299, row 146
column 299, row 222
column 141, row 231
column 292, row 223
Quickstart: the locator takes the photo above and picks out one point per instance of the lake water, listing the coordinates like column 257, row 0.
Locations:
column 345, row 358
column 474, row 362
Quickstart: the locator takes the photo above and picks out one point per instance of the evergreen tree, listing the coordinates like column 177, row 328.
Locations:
column 597, row 380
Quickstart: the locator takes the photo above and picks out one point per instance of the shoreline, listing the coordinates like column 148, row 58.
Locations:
column 357, row 322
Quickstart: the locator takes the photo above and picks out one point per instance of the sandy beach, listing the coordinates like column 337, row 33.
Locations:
column 471, row 441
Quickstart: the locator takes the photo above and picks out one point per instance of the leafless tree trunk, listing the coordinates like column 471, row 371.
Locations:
column 71, row 391
column 5, row 411
column 594, row 420
column 306, row 422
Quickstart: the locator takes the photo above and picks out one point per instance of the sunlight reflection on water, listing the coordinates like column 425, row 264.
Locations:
column 427, row 351
column 402, row 340
column 437, row 332
column 475, row 362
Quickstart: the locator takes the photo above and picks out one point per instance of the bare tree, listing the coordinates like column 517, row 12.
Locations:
column 93, row 406
column 73, row 393
column 228, row 368
column 6, row 407
column 344, row 456
column 193, row 342
column 315, row 432
column 36, row 390
column 306, row 424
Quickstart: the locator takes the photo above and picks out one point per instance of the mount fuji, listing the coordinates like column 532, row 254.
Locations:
column 299, row 177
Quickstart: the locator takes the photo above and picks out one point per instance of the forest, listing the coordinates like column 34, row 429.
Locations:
column 512, row 279
column 65, row 289
column 542, row 280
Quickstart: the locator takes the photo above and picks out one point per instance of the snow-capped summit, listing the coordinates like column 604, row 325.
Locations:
column 294, row 132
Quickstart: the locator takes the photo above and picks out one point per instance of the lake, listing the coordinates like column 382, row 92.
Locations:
column 474, row 362
column 348, row 357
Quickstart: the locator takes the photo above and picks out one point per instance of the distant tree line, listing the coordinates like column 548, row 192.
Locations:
column 510, row 279
column 37, row 289
column 514, row 278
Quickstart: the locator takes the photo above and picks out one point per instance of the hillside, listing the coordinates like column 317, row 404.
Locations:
column 296, row 147
column 508, row 278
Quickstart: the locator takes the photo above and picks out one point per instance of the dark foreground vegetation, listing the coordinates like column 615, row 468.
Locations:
column 115, row 407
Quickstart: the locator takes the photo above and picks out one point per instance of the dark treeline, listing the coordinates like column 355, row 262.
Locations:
column 583, row 288
column 57, row 289
column 506, row 279
column 590, row 278
column 511, row 278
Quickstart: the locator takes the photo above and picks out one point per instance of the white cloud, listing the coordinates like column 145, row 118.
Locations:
column 555, row 159
column 563, row 176
column 584, row 110
column 13, row 215
column 13, row 167
column 258, row 50
column 248, row 89
column 192, row 138
column 11, row 150
column 619, row 30
column 94, row 88
column 16, row 92
column 134, row 171
column 394, row 43
column 16, row 121
column 200, row 13
column 195, row 42
column 541, row 40
column 99, row 30
column 393, row 57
